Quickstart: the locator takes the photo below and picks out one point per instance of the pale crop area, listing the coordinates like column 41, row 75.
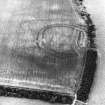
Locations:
column 97, row 10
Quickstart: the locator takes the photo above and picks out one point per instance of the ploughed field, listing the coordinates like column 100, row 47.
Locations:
column 20, row 57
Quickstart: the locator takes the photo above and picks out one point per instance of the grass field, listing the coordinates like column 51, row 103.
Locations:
column 97, row 10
